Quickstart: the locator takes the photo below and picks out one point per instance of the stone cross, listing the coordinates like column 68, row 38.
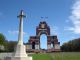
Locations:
column 20, row 36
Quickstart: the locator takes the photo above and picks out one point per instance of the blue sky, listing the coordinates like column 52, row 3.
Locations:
column 63, row 18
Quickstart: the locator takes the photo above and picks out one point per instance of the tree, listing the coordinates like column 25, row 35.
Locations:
column 2, row 42
column 72, row 45
column 2, row 39
column 10, row 45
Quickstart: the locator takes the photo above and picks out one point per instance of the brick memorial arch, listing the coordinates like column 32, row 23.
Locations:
column 34, row 41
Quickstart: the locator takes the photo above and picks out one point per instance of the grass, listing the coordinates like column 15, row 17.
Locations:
column 66, row 56
column 57, row 56
column 42, row 57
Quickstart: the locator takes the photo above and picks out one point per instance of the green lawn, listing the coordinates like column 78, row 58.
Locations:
column 42, row 57
column 66, row 56
column 57, row 56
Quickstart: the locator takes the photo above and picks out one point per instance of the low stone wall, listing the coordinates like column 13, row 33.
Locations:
column 4, row 55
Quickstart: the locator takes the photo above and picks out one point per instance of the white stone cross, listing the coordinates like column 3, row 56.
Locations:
column 20, row 36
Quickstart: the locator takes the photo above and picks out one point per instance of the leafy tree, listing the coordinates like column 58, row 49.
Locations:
column 10, row 45
column 72, row 45
column 2, row 39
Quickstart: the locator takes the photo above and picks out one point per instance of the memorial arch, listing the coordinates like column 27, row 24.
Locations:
column 34, row 41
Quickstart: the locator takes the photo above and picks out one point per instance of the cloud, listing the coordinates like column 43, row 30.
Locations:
column 69, row 28
column 54, row 30
column 67, row 21
column 15, row 32
column 75, row 17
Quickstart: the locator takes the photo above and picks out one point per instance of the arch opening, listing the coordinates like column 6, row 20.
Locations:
column 33, row 45
column 43, row 41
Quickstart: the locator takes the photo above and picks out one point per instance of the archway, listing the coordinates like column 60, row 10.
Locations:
column 52, row 45
column 33, row 45
column 43, row 41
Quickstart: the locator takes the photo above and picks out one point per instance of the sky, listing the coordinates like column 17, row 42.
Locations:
column 63, row 18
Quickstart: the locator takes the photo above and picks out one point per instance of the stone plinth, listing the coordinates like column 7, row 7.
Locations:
column 20, row 54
